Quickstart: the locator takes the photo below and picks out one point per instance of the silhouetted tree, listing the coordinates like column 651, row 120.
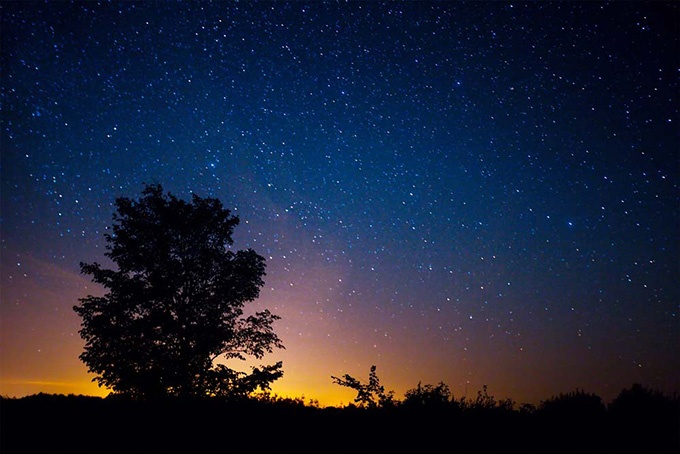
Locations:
column 175, row 303
column 369, row 395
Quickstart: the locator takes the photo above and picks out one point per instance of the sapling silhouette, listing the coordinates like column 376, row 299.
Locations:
column 369, row 395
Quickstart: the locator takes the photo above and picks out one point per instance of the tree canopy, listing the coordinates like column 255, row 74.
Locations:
column 175, row 303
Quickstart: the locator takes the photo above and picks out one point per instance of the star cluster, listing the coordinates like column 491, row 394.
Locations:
column 468, row 192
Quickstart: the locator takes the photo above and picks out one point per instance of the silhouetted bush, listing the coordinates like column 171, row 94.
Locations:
column 429, row 420
column 574, row 420
column 428, row 396
column 645, row 419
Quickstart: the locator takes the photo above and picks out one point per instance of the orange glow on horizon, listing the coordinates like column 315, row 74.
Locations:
column 21, row 388
column 40, row 344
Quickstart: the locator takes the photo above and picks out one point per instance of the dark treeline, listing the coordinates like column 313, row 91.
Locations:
column 428, row 419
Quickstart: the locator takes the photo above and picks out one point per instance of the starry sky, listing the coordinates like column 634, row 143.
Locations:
column 479, row 193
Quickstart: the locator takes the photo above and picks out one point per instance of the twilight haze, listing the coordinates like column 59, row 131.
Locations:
column 474, row 193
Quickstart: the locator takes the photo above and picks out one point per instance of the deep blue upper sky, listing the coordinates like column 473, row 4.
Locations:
column 494, row 183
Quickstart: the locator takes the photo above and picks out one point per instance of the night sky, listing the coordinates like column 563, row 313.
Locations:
column 474, row 193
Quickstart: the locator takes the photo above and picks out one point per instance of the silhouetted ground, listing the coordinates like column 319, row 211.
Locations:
column 635, row 422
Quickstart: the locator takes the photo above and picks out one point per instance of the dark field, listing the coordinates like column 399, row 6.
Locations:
column 635, row 422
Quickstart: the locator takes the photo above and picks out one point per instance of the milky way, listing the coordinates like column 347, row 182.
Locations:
column 475, row 193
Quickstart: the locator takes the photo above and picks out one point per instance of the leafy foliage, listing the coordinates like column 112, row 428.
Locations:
column 175, row 303
column 369, row 395
column 428, row 396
